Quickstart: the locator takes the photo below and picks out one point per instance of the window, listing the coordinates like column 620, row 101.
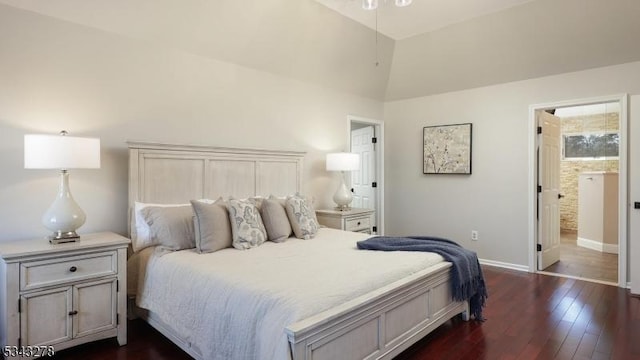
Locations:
column 584, row 146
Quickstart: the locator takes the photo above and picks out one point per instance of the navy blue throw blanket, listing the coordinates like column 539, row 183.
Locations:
column 467, row 281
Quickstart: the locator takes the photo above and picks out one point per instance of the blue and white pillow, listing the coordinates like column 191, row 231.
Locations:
column 246, row 224
column 302, row 217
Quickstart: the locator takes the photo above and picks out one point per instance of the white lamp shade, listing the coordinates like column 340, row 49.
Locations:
column 61, row 152
column 343, row 162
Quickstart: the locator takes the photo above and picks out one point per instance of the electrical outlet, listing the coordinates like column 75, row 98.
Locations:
column 474, row 235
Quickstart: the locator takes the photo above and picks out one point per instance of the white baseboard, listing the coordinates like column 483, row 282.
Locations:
column 525, row 268
column 610, row 248
column 598, row 246
column 505, row 265
column 612, row 283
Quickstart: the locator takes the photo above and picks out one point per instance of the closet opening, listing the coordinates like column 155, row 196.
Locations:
column 579, row 184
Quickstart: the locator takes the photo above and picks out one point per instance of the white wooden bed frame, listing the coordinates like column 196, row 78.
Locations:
column 377, row 325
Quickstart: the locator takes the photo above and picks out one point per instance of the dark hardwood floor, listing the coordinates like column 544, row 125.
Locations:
column 528, row 316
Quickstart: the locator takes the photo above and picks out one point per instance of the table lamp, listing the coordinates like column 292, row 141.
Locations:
column 343, row 162
column 62, row 152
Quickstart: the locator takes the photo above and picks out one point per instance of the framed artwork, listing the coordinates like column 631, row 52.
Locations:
column 447, row 149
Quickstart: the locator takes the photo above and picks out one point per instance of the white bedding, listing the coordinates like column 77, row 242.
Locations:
column 235, row 304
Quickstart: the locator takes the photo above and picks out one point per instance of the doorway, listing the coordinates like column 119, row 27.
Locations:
column 578, row 163
column 366, row 137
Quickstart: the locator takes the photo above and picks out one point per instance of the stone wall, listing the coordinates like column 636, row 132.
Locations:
column 571, row 169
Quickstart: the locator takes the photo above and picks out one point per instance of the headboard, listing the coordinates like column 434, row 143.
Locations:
column 174, row 174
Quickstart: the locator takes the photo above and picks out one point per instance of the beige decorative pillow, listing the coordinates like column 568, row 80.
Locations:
column 246, row 224
column 140, row 237
column 302, row 217
column 170, row 227
column 275, row 220
column 212, row 226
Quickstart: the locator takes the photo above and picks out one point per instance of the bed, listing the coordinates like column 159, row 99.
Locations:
column 301, row 299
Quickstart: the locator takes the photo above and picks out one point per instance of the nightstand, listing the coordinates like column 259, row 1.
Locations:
column 58, row 296
column 357, row 220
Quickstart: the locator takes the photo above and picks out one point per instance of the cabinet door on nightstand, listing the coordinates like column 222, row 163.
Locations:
column 44, row 317
column 96, row 305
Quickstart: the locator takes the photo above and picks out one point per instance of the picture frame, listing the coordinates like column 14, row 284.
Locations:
column 447, row 149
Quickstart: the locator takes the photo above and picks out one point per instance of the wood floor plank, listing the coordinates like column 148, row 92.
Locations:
column 529, row 316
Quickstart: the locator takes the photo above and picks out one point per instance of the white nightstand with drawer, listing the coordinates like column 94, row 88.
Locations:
column 65, row 294
column 357, row 220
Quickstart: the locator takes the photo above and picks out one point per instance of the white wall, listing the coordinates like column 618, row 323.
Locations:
column 493, row 200
column 59, row 75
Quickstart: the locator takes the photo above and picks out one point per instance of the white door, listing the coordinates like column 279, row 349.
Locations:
column 364, row 194
column 96, row 305
column 45, row 318
column 549, row 189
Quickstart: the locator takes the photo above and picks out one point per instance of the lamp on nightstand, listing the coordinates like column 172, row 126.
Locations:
column 62, row 152
column 343, row 162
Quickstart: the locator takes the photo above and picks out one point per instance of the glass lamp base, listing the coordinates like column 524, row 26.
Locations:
column 64, row 216
column 343, row 196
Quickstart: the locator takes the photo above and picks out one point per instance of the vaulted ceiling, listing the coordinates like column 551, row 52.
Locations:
column 433, row 46
column 536, row 39
column 297, row 39
column 420, row 17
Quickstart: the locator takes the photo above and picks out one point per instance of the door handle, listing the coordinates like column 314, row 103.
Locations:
column 560, row 196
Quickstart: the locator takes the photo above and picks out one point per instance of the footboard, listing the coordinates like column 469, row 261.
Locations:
column 381, row 324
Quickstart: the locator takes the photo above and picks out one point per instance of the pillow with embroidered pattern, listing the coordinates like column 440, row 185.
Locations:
column 302, row 217
column 246, row 224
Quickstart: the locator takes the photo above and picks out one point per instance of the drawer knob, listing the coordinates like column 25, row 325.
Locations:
column 358, row 222
column 74, row 312
column 73, row 269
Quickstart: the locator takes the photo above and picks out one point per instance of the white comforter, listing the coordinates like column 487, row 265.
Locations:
column 235, row 304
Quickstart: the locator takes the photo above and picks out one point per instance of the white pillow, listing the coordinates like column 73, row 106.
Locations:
column 140, row 231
